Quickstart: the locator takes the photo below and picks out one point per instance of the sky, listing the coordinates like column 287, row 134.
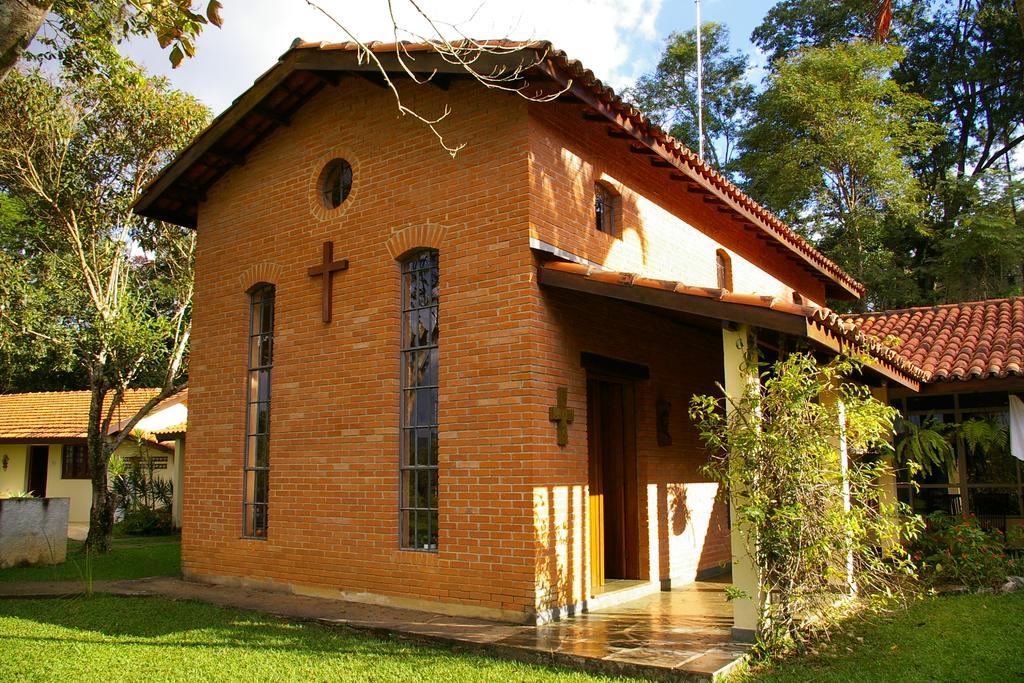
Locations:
column 618, row 39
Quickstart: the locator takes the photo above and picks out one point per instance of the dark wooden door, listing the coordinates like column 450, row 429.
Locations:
column 38, row 457
column 614, row 531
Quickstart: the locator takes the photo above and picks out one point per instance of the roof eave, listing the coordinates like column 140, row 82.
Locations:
column 538, row 57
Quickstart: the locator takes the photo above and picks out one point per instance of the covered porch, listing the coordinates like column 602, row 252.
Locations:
column 682, row 632
column 680, row 530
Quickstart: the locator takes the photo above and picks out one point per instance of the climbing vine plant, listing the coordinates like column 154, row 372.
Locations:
column 776, row 450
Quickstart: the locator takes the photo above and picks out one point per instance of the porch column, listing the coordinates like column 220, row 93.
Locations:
column 179, row 481
column 735, row 345
column 832, row 398
column 887, row 482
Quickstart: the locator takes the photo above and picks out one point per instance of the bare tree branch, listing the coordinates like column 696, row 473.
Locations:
column 464, row 53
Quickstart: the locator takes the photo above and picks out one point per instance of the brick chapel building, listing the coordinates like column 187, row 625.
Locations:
column 461, row 384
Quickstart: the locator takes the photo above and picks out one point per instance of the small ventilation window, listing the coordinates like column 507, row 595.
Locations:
column 606, row 210
column 335, row 183
column 723, row 266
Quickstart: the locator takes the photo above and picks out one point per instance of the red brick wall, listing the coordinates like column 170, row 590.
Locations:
column 682, row 527
column 513, row 504
column 334, row 425
column 667, row 232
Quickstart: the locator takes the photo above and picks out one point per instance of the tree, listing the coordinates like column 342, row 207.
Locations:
column 76, row 28
column 966, row 57
column 980, row 256
column 830, row 150
column 669, row 93
column 777, row 450
column 791, row 25
column 34, row 300
column 75, row 154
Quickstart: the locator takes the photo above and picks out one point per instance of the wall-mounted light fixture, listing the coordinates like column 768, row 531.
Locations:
column 6, row 461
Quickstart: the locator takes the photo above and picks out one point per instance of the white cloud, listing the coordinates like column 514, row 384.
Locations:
column 606, row 35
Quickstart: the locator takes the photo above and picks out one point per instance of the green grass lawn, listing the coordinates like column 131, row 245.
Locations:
column 133, row 557
column 104, row 638
column 962, row 638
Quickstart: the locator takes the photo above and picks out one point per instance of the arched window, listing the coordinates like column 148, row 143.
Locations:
column 419, row 448
column 606, row 210
column 256, row 467
column 723, row 267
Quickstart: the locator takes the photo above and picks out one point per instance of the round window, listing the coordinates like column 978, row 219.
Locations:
column 335, row 183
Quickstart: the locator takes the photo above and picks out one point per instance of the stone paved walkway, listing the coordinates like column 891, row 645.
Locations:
column 683, row 634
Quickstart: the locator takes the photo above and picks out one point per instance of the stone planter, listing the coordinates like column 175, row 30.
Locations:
column 33, row 531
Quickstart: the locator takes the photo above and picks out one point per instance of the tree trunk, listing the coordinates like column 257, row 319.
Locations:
column 101, row 517
column 19, row 22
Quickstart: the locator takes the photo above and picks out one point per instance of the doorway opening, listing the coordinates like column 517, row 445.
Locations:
column 614, row 515
column 38, row 458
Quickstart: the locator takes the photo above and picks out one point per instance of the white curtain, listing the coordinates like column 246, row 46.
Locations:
column 1016, row 427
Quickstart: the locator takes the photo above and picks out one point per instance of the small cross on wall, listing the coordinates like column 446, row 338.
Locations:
column 326, row 270
column 563, row 415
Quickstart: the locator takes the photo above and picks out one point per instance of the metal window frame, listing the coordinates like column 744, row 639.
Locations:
column 259, row 296
column 406, row 510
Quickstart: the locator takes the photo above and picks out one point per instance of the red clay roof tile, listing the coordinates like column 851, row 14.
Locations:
column 952, row 342
column 58, row 415
column 822, row 318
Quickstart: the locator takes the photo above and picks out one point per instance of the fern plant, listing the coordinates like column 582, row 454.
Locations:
column 925, row 446
column 985, row 435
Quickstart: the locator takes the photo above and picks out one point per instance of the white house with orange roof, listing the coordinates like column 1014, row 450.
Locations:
column 43, row 444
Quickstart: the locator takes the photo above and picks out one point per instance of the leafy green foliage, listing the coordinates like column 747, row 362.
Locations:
column 106, row 292
column 143, row 497
column 986, row 435
column 831, row 147
column 146, row 522
column 668, row 94
column 931, row 444
column 957, row 550
column 83, row 34
column 776, row 451
column 791, row 25
column 926, row 446
column 34, row 301
column 960, row 237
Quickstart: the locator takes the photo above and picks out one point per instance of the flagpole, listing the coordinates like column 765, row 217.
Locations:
column 700, row 91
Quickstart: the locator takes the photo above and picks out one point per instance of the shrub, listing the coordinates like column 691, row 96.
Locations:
column 775, row 449
column 143, row 497
column 957, row 550
column 146, row 522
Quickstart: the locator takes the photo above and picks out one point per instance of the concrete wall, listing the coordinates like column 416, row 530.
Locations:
column 33, row 531
column 173, row 414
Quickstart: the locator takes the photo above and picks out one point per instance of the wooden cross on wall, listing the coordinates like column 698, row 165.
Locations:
column 563, row 415
column 326, row 270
